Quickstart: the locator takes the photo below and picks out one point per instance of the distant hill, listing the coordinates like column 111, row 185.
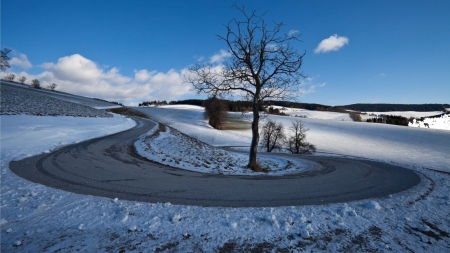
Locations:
column 396, row 107
column 240, row 105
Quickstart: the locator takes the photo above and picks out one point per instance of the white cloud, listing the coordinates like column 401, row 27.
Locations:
column 311, row 89
column 21, row 61
column 333, row 43
column 79, row 75
column 219, row 57
column 292, row 32
column 142, row 75
column 74, row 68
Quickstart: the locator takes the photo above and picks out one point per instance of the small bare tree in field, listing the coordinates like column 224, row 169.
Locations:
column 22, row 79
column 10, row 77
column 273, row 136
column 262, row 65
column 35, row 84
column 297, row 143
column 52, row 86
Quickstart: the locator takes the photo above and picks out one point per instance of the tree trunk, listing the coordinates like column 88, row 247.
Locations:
column 252, row 164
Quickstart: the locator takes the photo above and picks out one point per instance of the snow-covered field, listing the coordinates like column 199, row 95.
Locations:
column 389, row 143
column 443, row 122
column 36, row 218
column 314, row 114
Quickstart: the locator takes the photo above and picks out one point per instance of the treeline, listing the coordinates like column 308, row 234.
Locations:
column 396, row 107
column 390, row 119
column 243, row 106
column 155, row 103
column 239, row 106
column 112, row 102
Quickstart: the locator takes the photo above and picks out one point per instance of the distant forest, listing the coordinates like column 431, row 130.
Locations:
column 238, row 106
column 396, row 107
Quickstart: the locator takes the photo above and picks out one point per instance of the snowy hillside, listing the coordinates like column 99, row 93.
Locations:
column 390, row 143
column 36, row 218
column 19, row 99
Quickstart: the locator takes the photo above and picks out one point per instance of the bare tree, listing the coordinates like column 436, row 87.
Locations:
column 10, row 77
column 4, row 64
column 263, row 65
column 273, row 136
column 22, row 79
column 215, row 111
column 297, row 143
column 52, row 86
column 36, row 84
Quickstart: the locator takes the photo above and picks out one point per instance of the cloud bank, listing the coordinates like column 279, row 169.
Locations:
column 333, row 43
column 79, row 75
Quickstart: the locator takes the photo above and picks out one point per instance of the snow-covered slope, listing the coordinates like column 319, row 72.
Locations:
column 39, row 218
column 36, row 218
column 23, row 100
column 390, row 143
column 95, row 103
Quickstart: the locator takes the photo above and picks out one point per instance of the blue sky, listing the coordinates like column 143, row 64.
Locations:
column 131, row 51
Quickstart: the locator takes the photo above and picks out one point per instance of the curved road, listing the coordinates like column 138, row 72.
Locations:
column 108, row 167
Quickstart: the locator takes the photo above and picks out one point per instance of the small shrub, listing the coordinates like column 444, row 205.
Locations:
column 22, row 79
column 52, row 86
column 35, row 84
column 215, row 111
column 10, row 77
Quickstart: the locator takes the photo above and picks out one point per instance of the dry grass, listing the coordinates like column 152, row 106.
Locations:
column 232, row 123
column 127, row 112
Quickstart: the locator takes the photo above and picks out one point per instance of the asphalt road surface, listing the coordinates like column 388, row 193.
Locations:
column 109, row 167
